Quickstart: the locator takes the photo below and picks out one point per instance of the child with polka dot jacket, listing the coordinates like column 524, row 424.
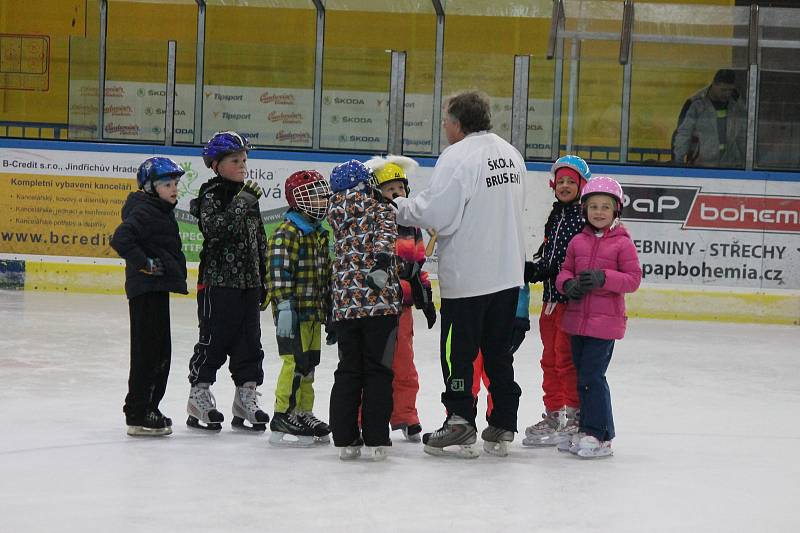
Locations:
column 559, row 383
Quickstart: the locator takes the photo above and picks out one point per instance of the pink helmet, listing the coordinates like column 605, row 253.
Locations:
column 603, row 185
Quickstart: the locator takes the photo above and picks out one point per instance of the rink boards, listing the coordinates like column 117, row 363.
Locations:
column 714, row 245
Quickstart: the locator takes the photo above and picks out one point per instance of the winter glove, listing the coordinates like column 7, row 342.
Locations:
column 330, row 332
column 521, row 325
column 250, row 193
column 287, row 320
column 429, row 309
column 379, row 275
column 153, row 267
column 573, row 290
column 591, row 279
column 536, row 272
column 530, row 272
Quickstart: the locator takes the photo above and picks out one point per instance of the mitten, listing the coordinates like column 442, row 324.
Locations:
column 379, row 275
column 591, row 279
column 572, row 289
column 429, row 309
column 153, row 267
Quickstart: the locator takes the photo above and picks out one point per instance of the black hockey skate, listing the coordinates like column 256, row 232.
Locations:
column 456, row 438
column 151, row 424
column 321, row 430
column 288, row 430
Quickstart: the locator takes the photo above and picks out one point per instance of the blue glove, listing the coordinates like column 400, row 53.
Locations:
column 287, row 320
column 379, row 275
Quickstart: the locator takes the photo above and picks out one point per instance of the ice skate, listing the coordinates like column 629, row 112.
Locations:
column 352, row 452
column 568, row 425
column 590, row 447
column 456, row 434
column 152, row 424
column 202, row 409
column 545, row 429
column 321, row 430
column 495, row 440
column 570, row 445
column 411, row 432
column 289, row 431
column 246, row 409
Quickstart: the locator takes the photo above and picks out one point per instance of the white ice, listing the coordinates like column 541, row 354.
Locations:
column 706, row 416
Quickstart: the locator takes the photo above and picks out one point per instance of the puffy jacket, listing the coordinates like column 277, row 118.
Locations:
column 149, row 229
column 363, row 227
column 601, row 312
column 234, row 253
column 565, row 221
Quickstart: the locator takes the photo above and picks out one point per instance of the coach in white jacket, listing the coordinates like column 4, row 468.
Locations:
column 475, row 203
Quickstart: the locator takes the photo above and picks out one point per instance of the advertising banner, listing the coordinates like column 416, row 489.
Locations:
column 742, row 233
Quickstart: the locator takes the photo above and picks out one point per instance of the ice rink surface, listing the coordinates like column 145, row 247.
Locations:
column 707, row 440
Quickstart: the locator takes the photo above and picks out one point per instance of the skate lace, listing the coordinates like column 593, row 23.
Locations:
column 204, row 398
column 311, row 420
column 445, row 429
column 548, row 421
column 249, row 399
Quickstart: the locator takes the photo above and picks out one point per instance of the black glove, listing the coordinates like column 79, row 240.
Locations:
column 153, row 267
column 573, row 290
column 330, row 331
column 521, row 325
column 430, row 310
column 536, row 272
column 250, row 193
column 591, row 279
column 379, row 275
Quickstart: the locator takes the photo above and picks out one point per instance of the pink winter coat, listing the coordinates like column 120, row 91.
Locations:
column 601, row 312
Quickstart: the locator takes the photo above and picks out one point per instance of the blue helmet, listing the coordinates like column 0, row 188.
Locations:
column 155, row 169
column 223, row 143
column 575, row 163
column 349, row 174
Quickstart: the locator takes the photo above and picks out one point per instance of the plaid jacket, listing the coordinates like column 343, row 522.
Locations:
column 299, row 267
column 363, row 227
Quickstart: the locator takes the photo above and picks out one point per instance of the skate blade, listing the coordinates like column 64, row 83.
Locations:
column 349, row 453
column 194, row 423
column 287, row 440
column 544, row 441
column 324, row 440
column 378, row 453
column 141, row 431
column 498, row 449
column 463, row 451
column 245, row 426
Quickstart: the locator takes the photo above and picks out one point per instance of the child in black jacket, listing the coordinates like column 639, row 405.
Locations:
column 149, row 241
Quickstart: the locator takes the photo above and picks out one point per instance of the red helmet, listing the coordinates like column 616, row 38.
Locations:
column 308, row 192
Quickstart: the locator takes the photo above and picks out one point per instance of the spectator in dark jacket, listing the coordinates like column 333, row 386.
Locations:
column 149, row 241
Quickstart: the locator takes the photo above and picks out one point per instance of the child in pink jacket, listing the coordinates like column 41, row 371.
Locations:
column 600, row 267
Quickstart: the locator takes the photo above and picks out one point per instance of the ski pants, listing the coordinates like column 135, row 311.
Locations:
column 300, row 355
column 363, row 380
column 480, row 323
column 559, row 379
column 405, row 385
column 151, row 351
column 592, row 357
column 230, row 326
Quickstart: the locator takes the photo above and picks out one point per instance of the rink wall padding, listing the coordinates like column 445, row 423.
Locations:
column 713, row 244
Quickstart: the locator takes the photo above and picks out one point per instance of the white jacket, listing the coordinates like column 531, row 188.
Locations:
column 475, row 203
